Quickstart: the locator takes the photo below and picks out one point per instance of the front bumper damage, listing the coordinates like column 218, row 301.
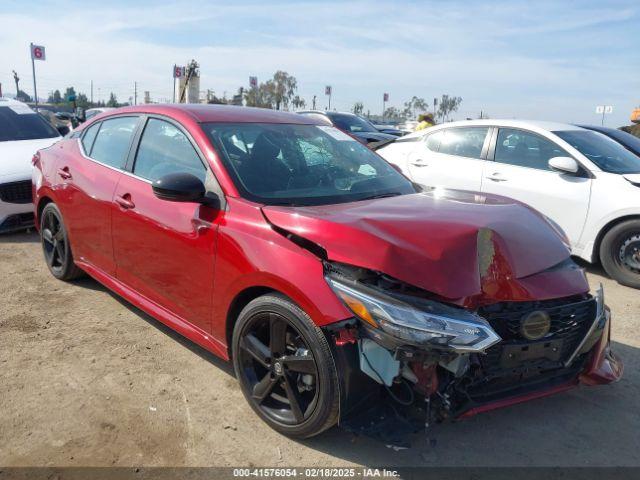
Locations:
column 412, row 388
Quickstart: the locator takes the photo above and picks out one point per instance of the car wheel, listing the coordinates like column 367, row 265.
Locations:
column 285, row 368
column 55, row 244
column 620, row 253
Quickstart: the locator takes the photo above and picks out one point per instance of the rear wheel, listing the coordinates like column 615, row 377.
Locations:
column 620, row 253
column 55, row 244
column 285, row 367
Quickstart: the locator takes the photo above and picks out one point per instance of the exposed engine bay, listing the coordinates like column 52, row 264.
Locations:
column 429, row 361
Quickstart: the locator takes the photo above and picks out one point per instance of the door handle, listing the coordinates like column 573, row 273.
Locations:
column 419, row 163
column 125, row 201
column 64, row 173
column 497, row 177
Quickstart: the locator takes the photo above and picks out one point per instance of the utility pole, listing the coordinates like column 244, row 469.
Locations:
column 314, row 103
column 135, row 93
column 17, row 80
column 0, row 89
column 92, row 93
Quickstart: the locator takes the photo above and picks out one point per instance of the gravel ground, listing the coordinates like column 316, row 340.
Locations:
column 88, row 380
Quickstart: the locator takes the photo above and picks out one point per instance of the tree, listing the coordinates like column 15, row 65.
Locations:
column 415, row 106
column 278, row 92
column 298, row 102
column 261, row 96
column 69, row 92
column 113, row 101
column 82, row 101
column 358, row 108
column 392, row 113
column 284, row 87
column 55, row 97
column 448, row 105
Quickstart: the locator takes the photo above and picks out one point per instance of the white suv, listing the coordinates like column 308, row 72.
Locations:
column 22, row 133
column 584, row 181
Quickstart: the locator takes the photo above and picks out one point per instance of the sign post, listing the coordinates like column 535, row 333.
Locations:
column 327, row 91
column 178, row 72
column 37, row 53
column 604, row 109
column 385, row 99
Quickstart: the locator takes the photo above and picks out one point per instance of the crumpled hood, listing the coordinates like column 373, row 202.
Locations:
column 15, row 156
column 467, row 248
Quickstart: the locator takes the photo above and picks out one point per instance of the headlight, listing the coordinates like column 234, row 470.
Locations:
column 427, row 323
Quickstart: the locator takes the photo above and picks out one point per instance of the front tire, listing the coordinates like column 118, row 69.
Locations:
column 285, row 368
column 55, row 244
column 620, row 253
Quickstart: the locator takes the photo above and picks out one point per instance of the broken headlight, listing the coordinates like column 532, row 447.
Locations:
column 418, row 322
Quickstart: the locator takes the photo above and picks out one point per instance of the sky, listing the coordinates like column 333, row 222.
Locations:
column 544, row 60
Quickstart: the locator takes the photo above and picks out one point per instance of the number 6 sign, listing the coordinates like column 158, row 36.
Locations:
column 37, row 52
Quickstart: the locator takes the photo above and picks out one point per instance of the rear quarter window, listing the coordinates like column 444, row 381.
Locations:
column 113, row 140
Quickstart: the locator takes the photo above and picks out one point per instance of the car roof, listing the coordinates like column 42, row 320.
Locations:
column 220, row 113
column 5, row 102
column 598, row 128
column 492, row 122
column 328, row 112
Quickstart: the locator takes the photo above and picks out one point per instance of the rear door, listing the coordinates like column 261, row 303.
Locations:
column 520, row 170
column 450, row 158
column 165, row 250
column 88, row 177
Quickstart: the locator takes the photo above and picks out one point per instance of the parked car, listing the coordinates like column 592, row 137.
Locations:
column 22, row 133
column 92, row 112
column 582, row 180
column 330, row 281
column 390, row 129
column 354, row 125
column 628, row 141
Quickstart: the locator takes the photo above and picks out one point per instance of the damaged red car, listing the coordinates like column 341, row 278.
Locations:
column 333, row 284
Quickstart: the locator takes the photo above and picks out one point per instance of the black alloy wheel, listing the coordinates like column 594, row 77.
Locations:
column 55, row 244
column 285, row 368
column 620, row 253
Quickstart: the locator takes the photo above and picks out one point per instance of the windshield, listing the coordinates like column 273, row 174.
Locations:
column 351, row 123
column 22, row 123
column 281, row 164
column 630, row 141
column 606, row 153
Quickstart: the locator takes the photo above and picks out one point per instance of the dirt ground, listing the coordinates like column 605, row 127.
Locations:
column 88, row 380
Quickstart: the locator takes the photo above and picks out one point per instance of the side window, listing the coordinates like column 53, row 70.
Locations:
column 112, row 142
column 89, row 137
column 165, row 149
column 433, row 141
column 464, row 142
column 525, row 149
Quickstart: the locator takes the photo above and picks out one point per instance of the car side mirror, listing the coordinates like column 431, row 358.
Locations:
column 182, row 187
column 63, row 130
column 564, row 164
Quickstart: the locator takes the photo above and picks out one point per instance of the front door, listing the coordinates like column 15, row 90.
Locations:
column 450, row 158
column 520, row 170
column 166, row 250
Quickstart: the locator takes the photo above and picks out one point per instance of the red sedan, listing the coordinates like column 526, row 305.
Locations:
column 332, row 282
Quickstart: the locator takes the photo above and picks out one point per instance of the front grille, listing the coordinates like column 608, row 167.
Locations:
column 16, row 192
column 495, row 374
column 568, row 315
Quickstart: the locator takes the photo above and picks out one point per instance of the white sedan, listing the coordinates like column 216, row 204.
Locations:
column 585, row 182
column 22, row 133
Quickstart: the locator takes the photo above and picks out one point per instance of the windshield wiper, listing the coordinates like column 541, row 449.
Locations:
column 382, row 195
